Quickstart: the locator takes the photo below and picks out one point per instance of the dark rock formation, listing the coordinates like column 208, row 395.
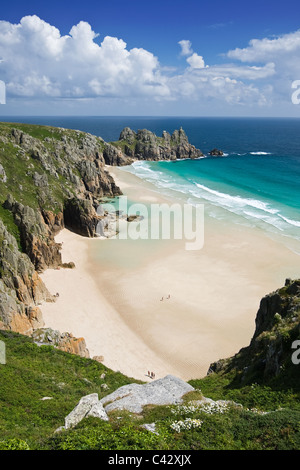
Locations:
column 37, row 236
column 21, row 289
column 81, row 216
column 216, row 153
column 270, row 350
column 114, row 156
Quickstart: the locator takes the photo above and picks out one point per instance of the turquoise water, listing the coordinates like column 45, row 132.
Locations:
column 252, row 189
column 255, row 183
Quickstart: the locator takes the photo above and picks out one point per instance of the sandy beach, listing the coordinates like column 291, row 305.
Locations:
column 113, row 296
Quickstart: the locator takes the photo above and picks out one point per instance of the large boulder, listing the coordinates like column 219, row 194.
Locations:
column 88, row 405
column 166, row 391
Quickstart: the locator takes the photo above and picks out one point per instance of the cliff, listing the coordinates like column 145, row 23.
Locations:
column 268, row 358
column 49, row 178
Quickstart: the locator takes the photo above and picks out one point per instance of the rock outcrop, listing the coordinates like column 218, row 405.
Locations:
column 37, row 230
column 63, row 341
column 145, row 145
column 88, row 405
column 21, row 289
column 3, row 177
column 166, row 391
column 216, row 153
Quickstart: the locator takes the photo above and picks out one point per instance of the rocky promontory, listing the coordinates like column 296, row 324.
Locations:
column 145, row 145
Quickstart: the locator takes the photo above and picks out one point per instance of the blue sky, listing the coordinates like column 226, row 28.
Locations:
column 158, row 58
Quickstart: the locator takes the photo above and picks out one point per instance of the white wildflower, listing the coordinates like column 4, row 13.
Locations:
column 186, row 424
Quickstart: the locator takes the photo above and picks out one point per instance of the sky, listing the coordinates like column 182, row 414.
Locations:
column 168, row 58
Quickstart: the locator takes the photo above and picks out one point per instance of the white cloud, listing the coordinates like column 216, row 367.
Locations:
column 196, row 61
column 242, row 72
column 204, row 86
column 263, row 50
column 280, row 54
column 186, row 47
column 37, row 61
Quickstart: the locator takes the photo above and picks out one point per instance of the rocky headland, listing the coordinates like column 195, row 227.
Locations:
column 145, row 145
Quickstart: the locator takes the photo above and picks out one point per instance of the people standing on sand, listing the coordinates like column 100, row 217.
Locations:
column 169, row 296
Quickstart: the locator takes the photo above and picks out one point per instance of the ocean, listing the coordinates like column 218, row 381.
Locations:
column 255, row 183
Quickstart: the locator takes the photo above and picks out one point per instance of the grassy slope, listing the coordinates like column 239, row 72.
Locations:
column 33, row 372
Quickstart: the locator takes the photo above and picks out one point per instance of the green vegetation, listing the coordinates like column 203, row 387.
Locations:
column 20, row 167
column 39, row 132
column 8, row 219
column 123, row 144
column 268, row 419
column 32, row 373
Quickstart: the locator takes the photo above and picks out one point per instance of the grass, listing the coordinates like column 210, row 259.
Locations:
column 31, row 373
column 8, row 219
column 27, row 421
column 38, row 132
